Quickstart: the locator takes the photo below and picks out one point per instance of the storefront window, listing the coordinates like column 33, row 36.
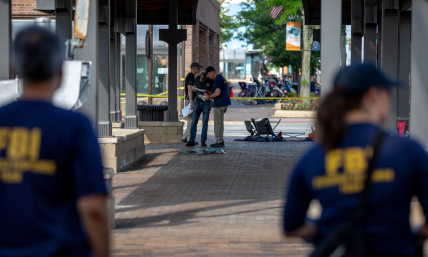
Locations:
column 230, row 70
column 160, row 62
column 239, row 70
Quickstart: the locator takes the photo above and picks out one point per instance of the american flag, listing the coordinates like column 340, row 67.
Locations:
column 276, row 11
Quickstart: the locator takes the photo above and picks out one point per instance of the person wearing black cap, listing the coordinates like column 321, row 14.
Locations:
column 220, row 94
column 189, row 82
column 333, row 171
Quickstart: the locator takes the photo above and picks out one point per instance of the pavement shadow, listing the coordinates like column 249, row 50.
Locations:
column 249, row 173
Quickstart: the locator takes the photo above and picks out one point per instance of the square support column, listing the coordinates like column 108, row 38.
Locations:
column 370, row 25
column 404, row 65
column 89, row 52
column 172, row 62
column 331, row 22
column 104, row 123
column 5, row 39
column 63, row 17
column 118, row 63
column 112, row 68
column 356, row 30
column 418, row 73
column 389, row 55
column 118, row 71
column 172, row 36
column 131, row 66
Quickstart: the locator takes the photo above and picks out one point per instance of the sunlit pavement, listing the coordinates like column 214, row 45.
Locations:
column 171, row 204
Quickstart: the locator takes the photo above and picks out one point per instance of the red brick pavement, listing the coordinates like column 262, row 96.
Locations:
column 171, row 204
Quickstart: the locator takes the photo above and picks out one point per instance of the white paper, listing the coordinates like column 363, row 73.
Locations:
column 200, row 90
column 202, row 97
column 67, row 94
column 186, row 111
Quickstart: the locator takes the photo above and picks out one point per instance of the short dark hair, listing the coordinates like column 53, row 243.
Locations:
column 37, row 54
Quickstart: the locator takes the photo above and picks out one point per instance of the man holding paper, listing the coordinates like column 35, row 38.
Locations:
column 188, row 84
column 201, row 106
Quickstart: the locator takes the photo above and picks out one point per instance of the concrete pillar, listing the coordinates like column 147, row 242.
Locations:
column 331, row 21
column 131, row 67
column 117, row 64
column 172, row 114
column 64, row 17
column 356, row 30
column 89, row 53
column 118, row 71
column 150, row 64
column 112, row 68
column 404, row 65
column 389, row 54
column 104, row 123
column 370, row 25
column 5, row 39
column 418, row 73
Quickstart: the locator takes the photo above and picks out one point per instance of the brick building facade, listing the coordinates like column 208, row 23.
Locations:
column 203, row 39
column 24, row 9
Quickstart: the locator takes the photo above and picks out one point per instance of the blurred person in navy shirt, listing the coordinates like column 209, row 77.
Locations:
column 52, row 192
column 332, row 171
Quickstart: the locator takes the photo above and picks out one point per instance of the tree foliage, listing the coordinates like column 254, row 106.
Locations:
column 269, row 34
column 228, row 25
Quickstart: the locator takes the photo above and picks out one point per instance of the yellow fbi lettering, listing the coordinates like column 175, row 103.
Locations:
column 345, row 169
column 22, row 151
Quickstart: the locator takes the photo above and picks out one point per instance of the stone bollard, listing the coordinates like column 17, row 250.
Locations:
column 108, row 177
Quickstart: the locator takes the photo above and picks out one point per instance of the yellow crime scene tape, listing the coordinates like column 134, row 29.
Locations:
column 240, row 98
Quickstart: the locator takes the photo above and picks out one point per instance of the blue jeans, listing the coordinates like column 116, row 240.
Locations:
column 199, row 107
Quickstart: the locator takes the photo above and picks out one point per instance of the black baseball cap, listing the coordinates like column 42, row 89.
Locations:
column 195, row 64
column 358, row 78
column 209, row 69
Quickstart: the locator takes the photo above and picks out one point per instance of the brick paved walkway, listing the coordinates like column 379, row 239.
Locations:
column 171, row 204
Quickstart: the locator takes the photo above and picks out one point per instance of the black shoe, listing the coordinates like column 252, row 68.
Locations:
column 184, row 140
column 203, row 144
column 218, row 145
column 190, row 143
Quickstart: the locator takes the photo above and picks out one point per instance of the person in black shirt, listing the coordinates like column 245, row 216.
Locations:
column 202, row 83
column 190, row 81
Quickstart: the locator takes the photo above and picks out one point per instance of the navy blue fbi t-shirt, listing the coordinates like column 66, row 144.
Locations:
column 224, row 98
column 336, row 178
column 189, row 81
column 49, row 158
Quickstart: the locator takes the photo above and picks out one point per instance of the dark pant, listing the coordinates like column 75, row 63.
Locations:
column 199, row 107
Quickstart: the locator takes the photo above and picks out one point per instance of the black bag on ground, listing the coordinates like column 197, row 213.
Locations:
column 347, row 239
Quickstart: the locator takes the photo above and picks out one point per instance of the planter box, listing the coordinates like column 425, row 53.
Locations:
column 295, row 114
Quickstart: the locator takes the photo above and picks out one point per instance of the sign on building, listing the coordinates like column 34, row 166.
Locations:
column 293, row 36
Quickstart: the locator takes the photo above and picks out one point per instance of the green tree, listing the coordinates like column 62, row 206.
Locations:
column 228, row 25
column 269, row 34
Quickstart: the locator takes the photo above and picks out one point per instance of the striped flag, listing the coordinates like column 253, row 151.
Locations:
column 276, row 11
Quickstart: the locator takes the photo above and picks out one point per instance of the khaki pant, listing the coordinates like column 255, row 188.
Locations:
column 219, row 123
column 188, row 118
